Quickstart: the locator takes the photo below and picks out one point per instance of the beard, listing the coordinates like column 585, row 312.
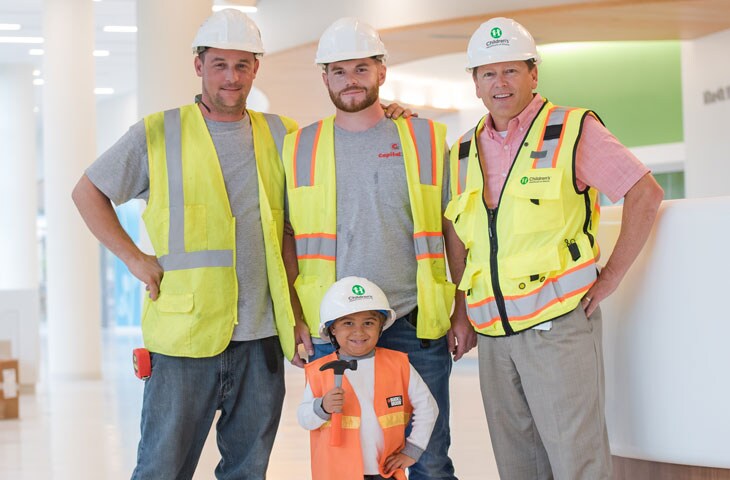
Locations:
column 371, row 96
column 226, row 104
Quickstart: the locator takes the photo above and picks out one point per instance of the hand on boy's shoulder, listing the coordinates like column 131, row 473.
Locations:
column 397, row 461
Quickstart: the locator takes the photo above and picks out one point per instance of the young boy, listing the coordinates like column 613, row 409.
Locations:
column 379, row 392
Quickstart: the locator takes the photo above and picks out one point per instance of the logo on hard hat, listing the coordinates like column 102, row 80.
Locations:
column 497, row 40
column 358, row 290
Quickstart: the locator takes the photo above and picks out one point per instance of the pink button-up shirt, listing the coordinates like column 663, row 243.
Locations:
column 601, row 161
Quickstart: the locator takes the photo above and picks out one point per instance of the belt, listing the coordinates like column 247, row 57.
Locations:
column 412, row 318
column 373, row 477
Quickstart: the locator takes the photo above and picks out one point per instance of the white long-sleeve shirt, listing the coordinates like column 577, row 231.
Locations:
column 311, row 416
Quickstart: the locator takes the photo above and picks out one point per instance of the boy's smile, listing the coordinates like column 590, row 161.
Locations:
column 358, row 333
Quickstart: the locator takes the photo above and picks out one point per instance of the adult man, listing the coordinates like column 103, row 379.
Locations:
column 214, row 183
column 532, row 288
column 379, row 217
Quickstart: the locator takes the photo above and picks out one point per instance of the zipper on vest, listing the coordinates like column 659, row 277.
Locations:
column 494, row 247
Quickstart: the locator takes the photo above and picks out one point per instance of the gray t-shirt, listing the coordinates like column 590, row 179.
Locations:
column 122, row 173
column 374, row 220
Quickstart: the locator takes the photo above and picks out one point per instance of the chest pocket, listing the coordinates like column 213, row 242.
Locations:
column 536, row 199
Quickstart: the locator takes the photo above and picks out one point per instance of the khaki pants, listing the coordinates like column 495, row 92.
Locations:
column 543, row 393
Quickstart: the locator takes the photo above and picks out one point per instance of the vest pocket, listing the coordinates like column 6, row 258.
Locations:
column 536, row 201
column 462, row 210
column 535, row 262
column 175, row 302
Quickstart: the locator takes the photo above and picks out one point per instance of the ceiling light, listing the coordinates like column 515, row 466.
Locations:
column 37, row 81
column 36, row 73
column 35, row 51
column 101, row 53
column 9, row 26
column 21, row 39
column 103, row 91
column 120, row 29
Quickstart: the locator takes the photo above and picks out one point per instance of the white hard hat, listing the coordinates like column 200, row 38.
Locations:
column 351, row 295
column 500, row 40
column 229, row 29
column 349, row 38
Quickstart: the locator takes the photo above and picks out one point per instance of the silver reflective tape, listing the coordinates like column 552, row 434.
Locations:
column 277, row 129
column 464, row 160
column 429, row 245
column 525, row 306
column 316, row 247
column 562, row 288
column 557, row 117
column 422, row 134
column 173, row 154
column 304, row 155
column 483, row 314
column 204, row 258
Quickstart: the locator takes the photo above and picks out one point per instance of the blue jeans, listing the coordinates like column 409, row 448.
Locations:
column 433, row 363
column 245, row 382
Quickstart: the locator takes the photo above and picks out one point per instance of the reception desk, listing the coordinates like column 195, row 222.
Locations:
column 667, row 338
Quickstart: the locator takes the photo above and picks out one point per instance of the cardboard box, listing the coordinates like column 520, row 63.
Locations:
column 9, row 389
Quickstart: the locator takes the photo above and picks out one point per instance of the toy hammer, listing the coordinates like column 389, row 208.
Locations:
column 339, row 367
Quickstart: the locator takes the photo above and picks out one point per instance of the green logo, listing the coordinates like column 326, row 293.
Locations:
column 523, row 180
column 496, row 32
column 358, row 290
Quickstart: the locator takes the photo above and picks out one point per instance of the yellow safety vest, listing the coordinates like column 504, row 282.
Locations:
column 309, row 162
column 189, row 221
column 531, row 258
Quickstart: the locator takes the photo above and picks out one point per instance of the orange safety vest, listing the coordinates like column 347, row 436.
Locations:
column 392, row 408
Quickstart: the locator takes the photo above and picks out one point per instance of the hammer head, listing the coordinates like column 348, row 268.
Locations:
column 339, row 366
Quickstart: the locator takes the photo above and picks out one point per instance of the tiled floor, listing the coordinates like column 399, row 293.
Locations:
column 89, row 429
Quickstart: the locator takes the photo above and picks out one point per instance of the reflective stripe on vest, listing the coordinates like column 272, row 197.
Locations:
column 463, row 159
column 522, row 307
column 429, row 245
column 178, row 258
column 277, row 129
column 424, row 135
column 546, row 153
column 322, row 246
column 305, row 154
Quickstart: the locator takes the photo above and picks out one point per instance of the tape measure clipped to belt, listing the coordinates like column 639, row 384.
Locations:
column 142, row 363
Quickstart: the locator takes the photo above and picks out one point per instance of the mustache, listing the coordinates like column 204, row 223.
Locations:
column 353, row 89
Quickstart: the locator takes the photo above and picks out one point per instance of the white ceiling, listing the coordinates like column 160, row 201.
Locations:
column 117, row 71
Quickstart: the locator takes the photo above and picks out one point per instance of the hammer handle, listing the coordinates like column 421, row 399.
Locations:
column 336, row 419
column 336, row 434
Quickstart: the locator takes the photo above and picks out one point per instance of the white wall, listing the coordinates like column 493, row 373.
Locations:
column 665, row 334
column 706, row 103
